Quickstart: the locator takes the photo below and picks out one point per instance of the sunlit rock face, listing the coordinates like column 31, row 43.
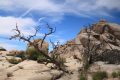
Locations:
column 105, row 37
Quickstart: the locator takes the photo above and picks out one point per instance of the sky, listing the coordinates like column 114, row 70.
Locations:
column 68, row 16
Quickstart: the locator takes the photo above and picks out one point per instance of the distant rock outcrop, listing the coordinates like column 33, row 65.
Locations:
column 2, row 49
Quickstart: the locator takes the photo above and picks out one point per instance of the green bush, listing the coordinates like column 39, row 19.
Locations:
column 41, row 58
column 100, row 75
column 33, row 54
column 118, row 73
column 82, row 77
column 114, row 74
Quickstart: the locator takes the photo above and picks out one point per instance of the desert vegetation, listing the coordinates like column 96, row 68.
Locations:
column 116, row 74
column 100, row 75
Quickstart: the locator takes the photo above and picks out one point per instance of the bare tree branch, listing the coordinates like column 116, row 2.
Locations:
column 55, row 46
column 51, row 30
column 32, row 36
column 19, row 35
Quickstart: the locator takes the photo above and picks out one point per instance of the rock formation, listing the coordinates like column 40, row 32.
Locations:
column 102, row 39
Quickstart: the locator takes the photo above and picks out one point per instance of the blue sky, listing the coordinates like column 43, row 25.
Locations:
column 68, row 16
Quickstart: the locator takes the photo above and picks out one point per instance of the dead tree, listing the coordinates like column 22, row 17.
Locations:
column 86, row 54
column 28, row 39
column 56, row 54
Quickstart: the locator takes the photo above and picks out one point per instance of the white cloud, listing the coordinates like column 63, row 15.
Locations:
column 91, row 7
column 38, row 5
column 109, row 4
column 9, row 23
column 6, row 4
column 84, row 8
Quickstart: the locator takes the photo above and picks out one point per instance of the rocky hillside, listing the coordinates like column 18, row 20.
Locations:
column 102, row 39
column 100, row 42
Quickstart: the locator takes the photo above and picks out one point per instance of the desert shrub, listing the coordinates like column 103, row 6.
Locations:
column 100, row 75
column 59, row 59
column 82, row 77
column 114, row 74
column 33, row 54
column 41, row 58
column 14, row 60
column 118, row 73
